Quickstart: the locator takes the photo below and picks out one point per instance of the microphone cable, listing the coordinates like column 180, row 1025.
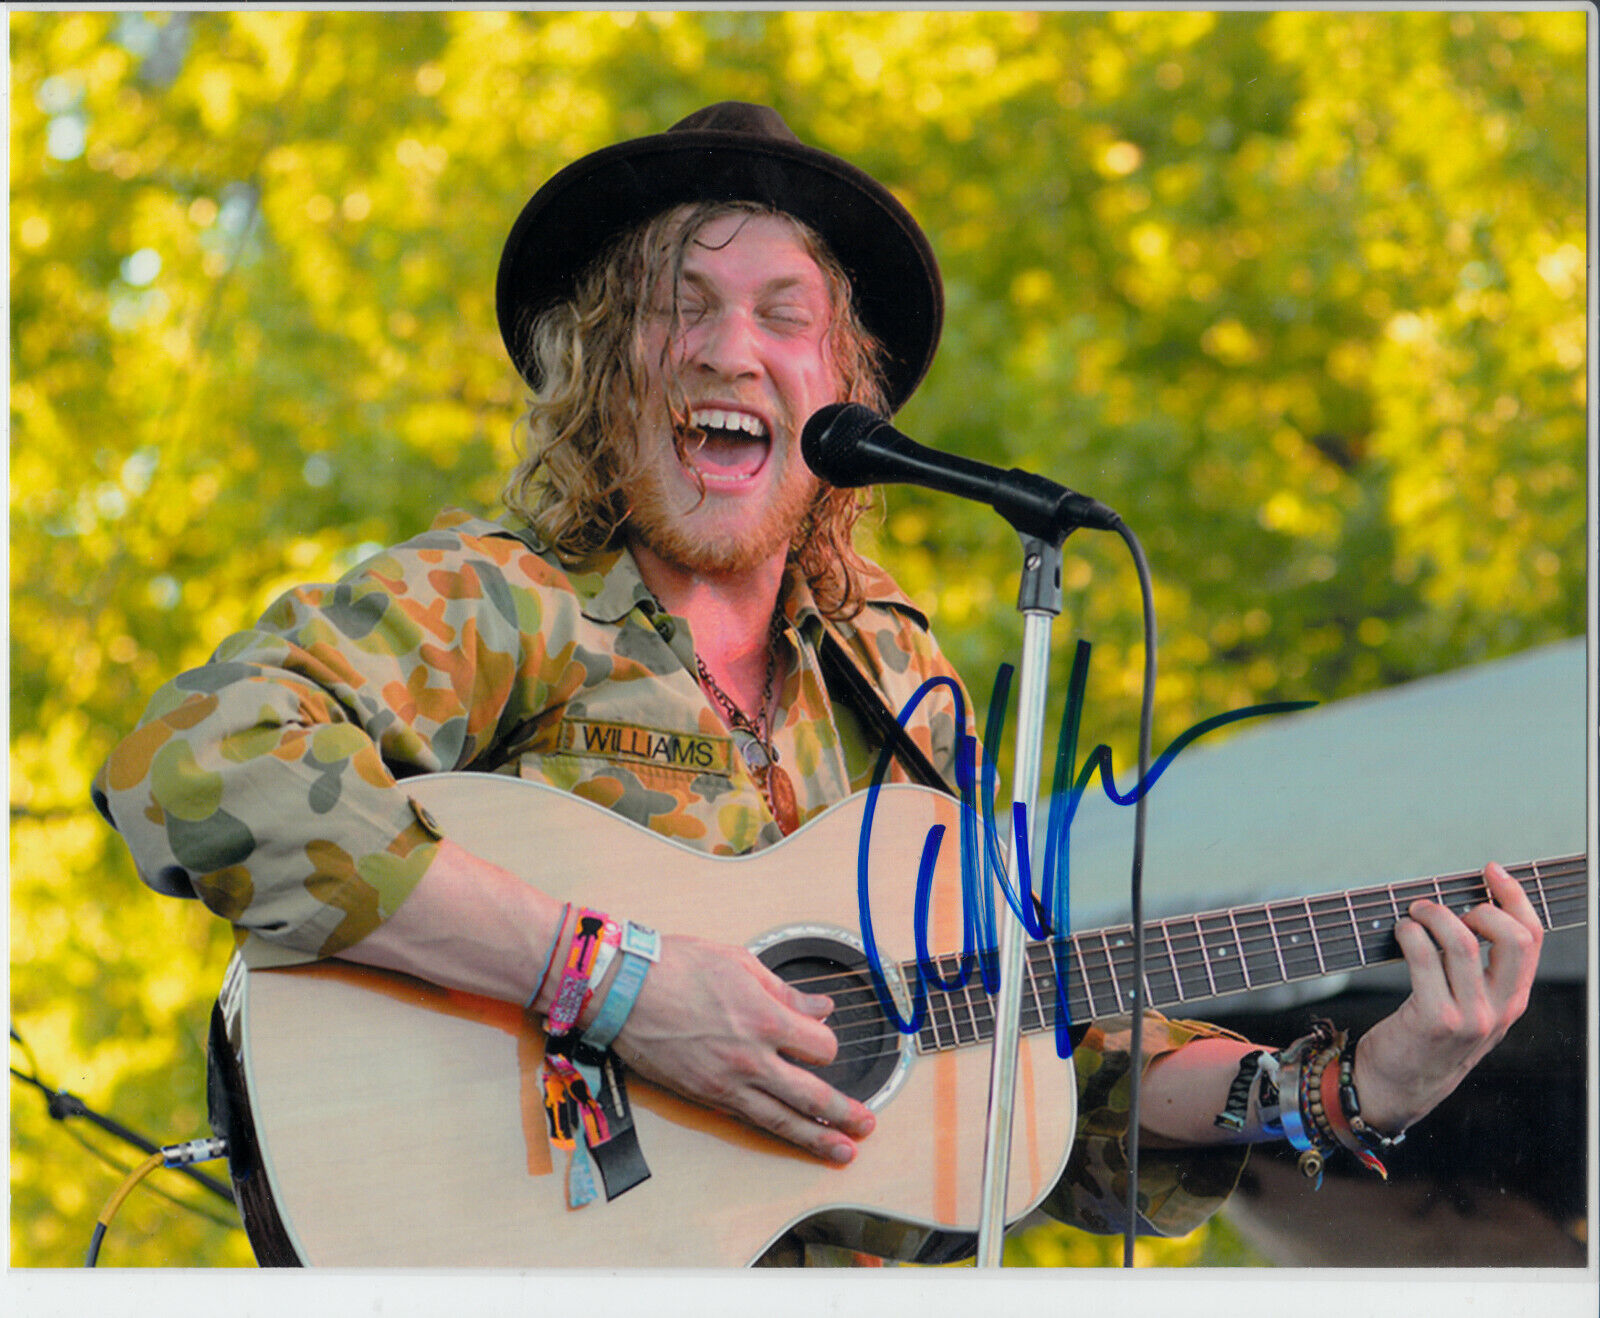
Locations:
column 1136, row 886
column 60, row 1105
column 180, row 1157
column 174, row 1155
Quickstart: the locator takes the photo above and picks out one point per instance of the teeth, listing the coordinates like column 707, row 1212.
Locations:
column 715, row 418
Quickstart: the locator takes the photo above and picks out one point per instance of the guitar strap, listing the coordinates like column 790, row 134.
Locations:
column 845, row 679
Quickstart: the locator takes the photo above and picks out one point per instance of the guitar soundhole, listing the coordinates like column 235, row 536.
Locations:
column 869, row 1043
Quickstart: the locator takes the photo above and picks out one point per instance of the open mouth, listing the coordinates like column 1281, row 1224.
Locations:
column 725, row 444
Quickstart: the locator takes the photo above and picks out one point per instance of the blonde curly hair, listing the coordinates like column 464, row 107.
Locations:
column 577, row 444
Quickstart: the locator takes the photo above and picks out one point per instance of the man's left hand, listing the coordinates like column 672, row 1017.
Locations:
column 1461, row 1005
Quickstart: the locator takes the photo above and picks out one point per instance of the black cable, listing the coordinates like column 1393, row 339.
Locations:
column 60, row 1105
column 23, row 1044
column 122, row 1169
column 1136, row 888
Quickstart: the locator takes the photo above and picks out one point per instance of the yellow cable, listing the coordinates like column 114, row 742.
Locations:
column 174, row 1155
column 126, row 1188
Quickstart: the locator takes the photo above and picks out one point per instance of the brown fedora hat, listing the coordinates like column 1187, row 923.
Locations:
column 729, row 152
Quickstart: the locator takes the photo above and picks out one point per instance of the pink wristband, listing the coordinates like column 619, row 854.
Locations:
column 574, row 988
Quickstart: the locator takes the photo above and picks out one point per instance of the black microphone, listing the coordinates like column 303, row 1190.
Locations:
column 847, row 445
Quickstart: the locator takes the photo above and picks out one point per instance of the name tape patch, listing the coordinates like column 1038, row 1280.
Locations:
column 625, row 741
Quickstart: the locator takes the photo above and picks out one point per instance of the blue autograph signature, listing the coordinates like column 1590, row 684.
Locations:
column 982, row 859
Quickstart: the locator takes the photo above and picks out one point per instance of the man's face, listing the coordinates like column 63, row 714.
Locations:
column 750, row 360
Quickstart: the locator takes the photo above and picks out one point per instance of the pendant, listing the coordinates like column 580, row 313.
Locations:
column 780, row 792
column 755, row 755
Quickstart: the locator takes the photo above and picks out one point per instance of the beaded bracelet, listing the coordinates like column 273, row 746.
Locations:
column 1307, row 1095
column 1343, row 1107
column 1299, row 1129
column 1350, row 1105
column 1331, row 1111
column 1314, row 1111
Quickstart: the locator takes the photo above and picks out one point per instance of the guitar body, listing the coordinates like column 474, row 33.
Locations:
column 400, row 1124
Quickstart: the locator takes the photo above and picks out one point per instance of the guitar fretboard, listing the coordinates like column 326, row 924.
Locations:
column 1194, row 958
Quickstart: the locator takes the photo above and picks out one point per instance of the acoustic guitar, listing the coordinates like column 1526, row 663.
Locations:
column 376, row 1120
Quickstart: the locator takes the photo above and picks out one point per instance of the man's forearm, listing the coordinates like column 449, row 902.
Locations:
column 1182, row 1093
column 470, row 925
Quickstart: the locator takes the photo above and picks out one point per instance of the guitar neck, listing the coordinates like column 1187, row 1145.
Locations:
column 1194, row 958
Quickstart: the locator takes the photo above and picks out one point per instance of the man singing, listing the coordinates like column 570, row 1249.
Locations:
column 646, row 627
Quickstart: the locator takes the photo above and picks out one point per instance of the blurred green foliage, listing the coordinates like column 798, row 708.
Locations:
column 1301, row 294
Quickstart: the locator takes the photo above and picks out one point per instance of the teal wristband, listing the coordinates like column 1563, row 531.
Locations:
column 640, row 948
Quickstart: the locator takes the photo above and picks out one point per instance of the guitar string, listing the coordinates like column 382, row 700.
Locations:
column 966, row 1016
column 954, row 1001
column 1198, row 976
column 864, row 1002
column 1185, row 980
column 1261, row 959
column 952, row 1019
column 1291, row 916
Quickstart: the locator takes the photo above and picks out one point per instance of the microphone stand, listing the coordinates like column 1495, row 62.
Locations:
column 1039, row 601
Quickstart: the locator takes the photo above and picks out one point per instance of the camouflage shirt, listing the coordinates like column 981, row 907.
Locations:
column 269, row 783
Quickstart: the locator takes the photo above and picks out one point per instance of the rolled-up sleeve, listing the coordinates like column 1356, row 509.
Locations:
column 1178, row 1188
column 265, row 782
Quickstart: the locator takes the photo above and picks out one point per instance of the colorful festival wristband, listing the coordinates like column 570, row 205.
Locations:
column 574, row 988
column 641, row 948
column 568, row 1092
column 1235, row 1110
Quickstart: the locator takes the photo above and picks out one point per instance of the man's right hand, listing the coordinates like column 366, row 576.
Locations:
column 715, row 1025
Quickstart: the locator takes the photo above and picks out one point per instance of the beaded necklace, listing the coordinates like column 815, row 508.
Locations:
column 760, row 754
